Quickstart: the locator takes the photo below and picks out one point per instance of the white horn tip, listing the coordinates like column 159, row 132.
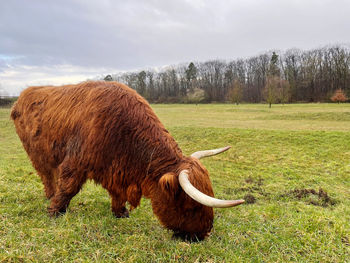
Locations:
column 207, row 153
column 226, row 148
column 238, row 202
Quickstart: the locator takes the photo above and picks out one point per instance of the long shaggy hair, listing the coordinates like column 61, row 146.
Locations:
column 106, row 132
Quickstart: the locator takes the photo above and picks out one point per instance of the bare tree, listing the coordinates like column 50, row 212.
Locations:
column 236, row 92
column 303, row 76
column 284, row 91
column 271, row 89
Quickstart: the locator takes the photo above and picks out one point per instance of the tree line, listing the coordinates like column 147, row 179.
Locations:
column 273, row 77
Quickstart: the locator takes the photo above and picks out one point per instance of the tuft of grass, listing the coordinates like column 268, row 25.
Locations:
column 295, row 170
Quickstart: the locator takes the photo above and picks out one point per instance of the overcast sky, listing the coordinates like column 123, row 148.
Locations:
column 67, row 41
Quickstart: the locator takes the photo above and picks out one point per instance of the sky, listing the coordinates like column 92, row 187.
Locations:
column 50, row 42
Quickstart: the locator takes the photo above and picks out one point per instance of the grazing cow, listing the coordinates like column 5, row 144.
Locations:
column 106, row 132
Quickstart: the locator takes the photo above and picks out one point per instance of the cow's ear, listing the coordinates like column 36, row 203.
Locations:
column 169, row 182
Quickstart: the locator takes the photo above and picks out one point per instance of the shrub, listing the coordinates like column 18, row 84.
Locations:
column 339, row 96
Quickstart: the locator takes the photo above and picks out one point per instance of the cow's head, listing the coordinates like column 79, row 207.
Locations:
column 185, row 201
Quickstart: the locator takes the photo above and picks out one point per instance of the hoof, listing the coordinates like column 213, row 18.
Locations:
column 123, row 214
column 55, row 213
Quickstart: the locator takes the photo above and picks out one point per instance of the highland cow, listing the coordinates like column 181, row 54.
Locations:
column 106, row 132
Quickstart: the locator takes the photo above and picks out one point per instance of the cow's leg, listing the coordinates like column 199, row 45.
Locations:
column 47, row 175
column 49, row 184
column 69, row 183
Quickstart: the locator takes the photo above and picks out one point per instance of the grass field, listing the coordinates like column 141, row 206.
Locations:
column 291, row 163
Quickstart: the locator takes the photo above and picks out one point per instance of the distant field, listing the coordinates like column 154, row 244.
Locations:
column 291, row 163
column 323, row 117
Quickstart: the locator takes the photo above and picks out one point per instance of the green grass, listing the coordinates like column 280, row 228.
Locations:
column 280, row 159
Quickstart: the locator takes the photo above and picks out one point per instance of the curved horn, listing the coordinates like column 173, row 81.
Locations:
column 201, row 198
column 208, row 153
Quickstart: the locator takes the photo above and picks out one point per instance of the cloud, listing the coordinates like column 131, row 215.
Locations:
column 125, row 35
column 15, row 79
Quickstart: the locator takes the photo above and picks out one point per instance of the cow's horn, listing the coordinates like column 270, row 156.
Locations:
column 208, row 153
column 201, row 198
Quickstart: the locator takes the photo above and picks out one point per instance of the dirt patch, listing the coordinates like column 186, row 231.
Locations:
column 249, row 199
column 251, row 180
column 312, row 197
column 252, row 190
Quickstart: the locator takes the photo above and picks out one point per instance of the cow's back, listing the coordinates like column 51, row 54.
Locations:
column 96, row 123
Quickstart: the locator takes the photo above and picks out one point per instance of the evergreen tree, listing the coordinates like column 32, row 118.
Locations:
column 274, row 69
column 191, row 76
column 108, row 78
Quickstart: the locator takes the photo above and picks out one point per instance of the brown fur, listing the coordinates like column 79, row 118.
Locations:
column 106, row 132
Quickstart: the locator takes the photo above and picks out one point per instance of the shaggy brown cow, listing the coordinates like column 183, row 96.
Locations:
column 106, row 132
